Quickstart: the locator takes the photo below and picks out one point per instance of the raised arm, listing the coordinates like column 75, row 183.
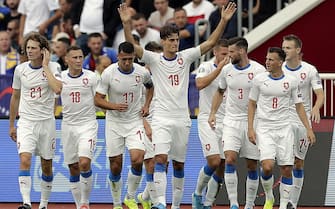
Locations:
column 55, row 84
column 203, row 82
column 126, row 22
column 226, row 15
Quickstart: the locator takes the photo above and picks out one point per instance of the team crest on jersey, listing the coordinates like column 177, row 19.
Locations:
column 250, row 76
column 44, row 75
column 138, row 79
column 208, row 147
column 286, row 85
column 180, row 61
column 303, row 76
column 85, row 81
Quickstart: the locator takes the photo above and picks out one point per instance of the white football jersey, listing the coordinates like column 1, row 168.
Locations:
column 273, row 97
column 308, row 78
column 171, row 77
column 206, row 94
column 37, row 99
column 237, row 82
column 125, row 88
column 78, row 97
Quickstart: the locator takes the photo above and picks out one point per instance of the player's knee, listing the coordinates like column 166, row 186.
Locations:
column 298, row 164
column 214, row 161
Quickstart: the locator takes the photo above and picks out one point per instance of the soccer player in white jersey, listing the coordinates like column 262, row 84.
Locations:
column 123, row 83
column 308, row 78
column 210, row 175
column 237, row 78
column 171, row 121
column 79, row 124
column 273, row 92
column 147, row 197
column 33, row 98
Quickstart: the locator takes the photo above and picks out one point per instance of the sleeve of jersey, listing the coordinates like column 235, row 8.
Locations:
column 202, row 71
column 316, row 80
column 296, row 93
column 149, row 57
column 147, row 80
column 102, row 86
column 16, row 78
column 254, row 91
column 192, row 54
column 222, row 79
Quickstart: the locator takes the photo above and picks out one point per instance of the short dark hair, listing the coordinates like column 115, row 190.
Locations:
column 94, row 35
column 281, row 53
column 65, row 41
column 138, row 16
column 168, row 30
column 239, row 42
column 126, row 47
column 153, row 46
column 178, row 9
column 296, row 39
column 34, row 36
column 73, row 48
column 221, row 43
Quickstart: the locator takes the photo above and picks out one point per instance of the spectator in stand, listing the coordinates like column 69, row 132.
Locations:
column 95, row 44
column 141, row 28
column 13, row 5
column 60, row 48
column 245, row 10
column 178, row 3
column 162, row 15
column 146, row 7
column 13, row 31
column 95, row 17
column 214, row 19
column 4, row 17
column 36, row 16
column 186, row 30
column 9, row 58
column 65, row 8
column 198, row 9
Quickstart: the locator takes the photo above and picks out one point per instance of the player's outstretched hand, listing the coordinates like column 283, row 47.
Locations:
column 46, row 57
column 229, row 11
column 124, row 13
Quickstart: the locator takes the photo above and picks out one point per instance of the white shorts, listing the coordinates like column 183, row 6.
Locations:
column 276, row 144
column 79, row 141
column 211, row 140
column 121, row 135
column 170, row 136
column 301, row 142
column 149, row 148
column 37, row 137
column 236, row 139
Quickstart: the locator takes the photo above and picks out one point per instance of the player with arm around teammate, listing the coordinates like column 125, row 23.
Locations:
column 273, row 93
column 207, row 82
